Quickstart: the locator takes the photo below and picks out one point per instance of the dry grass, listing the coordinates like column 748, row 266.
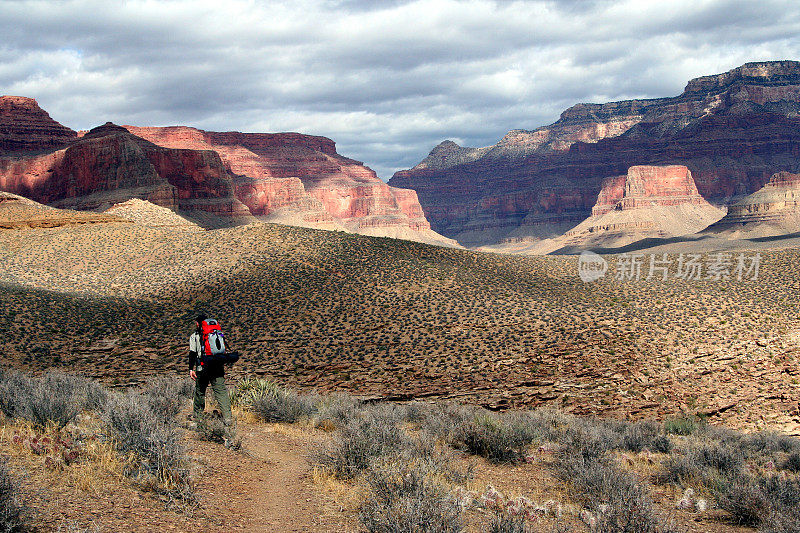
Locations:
column 346, row 496
column 98, row 466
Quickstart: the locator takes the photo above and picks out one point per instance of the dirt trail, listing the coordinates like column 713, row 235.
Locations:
column 268, row 485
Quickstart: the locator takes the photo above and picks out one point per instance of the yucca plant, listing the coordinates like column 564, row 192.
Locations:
column 251, row 389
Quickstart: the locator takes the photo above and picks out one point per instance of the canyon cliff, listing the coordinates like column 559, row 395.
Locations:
column 215, row 178
column 301, row 179
column 732, row 131
column 26, row 127
column 109, row 165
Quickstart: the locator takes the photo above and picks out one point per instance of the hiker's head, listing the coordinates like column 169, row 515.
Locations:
column 200, row 319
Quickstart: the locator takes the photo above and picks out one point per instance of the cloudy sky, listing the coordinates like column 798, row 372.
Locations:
column 386, row 79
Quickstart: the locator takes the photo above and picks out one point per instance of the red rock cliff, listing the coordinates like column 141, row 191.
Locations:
column 302, row 172
column 110, row 165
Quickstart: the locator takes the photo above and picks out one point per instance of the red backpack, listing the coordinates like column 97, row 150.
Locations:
column 213, row 343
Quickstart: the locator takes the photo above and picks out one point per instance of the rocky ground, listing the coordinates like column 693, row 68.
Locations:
column 398, row 320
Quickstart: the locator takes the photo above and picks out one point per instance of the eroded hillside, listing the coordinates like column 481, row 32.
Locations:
column 392, row 318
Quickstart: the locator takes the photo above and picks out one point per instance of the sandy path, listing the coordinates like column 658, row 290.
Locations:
column 268, row 485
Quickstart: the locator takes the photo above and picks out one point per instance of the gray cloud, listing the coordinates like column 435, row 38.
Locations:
column 388, row 79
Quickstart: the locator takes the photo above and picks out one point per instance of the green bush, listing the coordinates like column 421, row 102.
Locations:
column 250, row 389
column 683, row 425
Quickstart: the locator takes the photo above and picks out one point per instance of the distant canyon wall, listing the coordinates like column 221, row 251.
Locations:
column 732, row 131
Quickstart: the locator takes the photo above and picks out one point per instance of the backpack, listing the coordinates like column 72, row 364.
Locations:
column 213, row 344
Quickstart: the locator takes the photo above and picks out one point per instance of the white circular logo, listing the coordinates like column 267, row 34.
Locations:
column 591, row 266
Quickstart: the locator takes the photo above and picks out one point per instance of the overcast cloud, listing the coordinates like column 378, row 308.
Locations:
column 386, row 79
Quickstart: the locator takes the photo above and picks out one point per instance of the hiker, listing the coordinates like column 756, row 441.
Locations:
column 212, row 372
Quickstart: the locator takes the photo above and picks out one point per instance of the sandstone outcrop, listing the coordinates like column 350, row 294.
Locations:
column 25, row 127
column 732, row 131
column 648, row 186
column 647, row 202
column 771, row 211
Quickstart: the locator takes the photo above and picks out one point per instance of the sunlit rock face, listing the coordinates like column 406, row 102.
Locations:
column 301, row 178
column 771, row 211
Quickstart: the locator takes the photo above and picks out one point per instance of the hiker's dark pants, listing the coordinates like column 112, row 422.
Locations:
column 217, row 382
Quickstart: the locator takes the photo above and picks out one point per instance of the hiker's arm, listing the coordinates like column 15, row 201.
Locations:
column 192, row 353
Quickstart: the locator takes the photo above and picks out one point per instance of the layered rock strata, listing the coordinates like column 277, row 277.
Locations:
column 302, row 178
column 25, row 127
column 773, row 210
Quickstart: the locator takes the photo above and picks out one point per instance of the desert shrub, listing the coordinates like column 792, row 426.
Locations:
column 703, row 462
column 792, row 462
column 781, row 523
column 56, row 398
column 417, row 412
column 10, row 509
column 402, row 499
column 211, row 428
column 371, row 434
column 680, row 468
column 720, row 457
column 772, row 502
column 501, row 522
column 683, row 425
column 334, row 410
column 163, row 395
column 15, row 394
column 744, row 498
column 443, row 419
column 424, row 452
column 616, row 498
column 284, row 406
column 140, row 428
column 499, row 439
column 95, row 396
column 661, row 444
column 645, row 434
column 768, row 442
column 588, row 440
